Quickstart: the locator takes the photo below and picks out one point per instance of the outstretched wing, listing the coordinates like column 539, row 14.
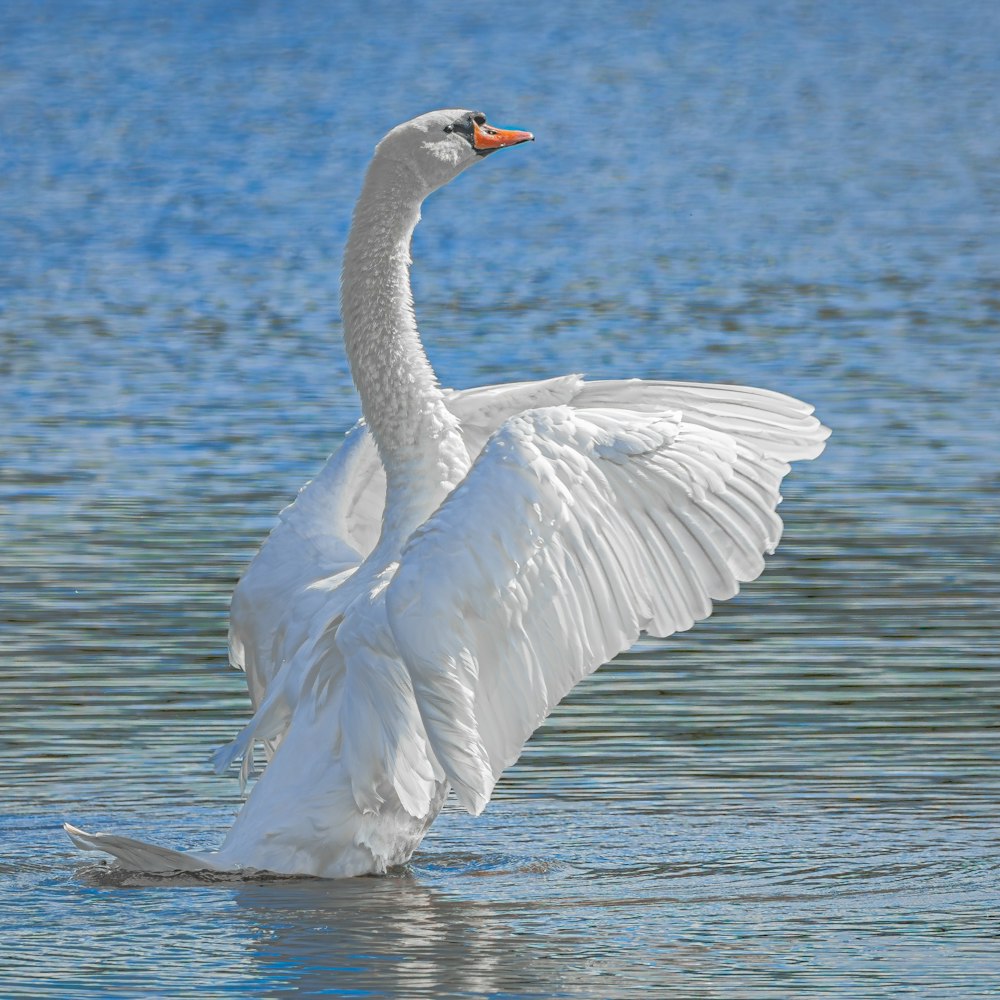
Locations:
column 323, row 535
column 575, row 530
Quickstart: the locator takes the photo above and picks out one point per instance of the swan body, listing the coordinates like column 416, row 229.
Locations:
column 466, row 558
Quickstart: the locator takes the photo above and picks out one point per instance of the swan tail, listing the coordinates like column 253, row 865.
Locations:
column 136, row 855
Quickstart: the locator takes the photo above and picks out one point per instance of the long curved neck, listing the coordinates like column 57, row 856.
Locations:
column 417, row 437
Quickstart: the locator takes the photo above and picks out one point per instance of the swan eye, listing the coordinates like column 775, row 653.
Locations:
column 449, row 128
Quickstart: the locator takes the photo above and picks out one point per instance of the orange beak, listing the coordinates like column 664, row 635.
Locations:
column 487, row 137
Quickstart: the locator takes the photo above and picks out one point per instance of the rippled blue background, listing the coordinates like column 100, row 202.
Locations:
column 801, row 796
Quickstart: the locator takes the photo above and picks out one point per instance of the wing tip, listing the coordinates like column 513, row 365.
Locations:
column 472, row 800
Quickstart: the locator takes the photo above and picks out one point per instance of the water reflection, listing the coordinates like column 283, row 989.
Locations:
column 394, row 934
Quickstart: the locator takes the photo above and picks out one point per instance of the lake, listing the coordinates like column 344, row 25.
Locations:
column 800, row 796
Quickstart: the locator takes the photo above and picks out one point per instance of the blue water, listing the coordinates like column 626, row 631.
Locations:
column 800, row 796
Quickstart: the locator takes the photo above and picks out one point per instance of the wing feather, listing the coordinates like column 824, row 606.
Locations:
column 575, row 530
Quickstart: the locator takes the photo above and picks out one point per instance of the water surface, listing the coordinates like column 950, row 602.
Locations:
column 800, row 796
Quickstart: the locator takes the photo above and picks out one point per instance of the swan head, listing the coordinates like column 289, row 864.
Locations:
column 438, row 146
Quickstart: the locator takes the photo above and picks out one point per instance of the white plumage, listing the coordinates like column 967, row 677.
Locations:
column 466, row 558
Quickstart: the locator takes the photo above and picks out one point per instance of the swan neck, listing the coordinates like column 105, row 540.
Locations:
column 417, row 437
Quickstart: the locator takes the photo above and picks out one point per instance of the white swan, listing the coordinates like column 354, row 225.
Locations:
column 466, row 558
